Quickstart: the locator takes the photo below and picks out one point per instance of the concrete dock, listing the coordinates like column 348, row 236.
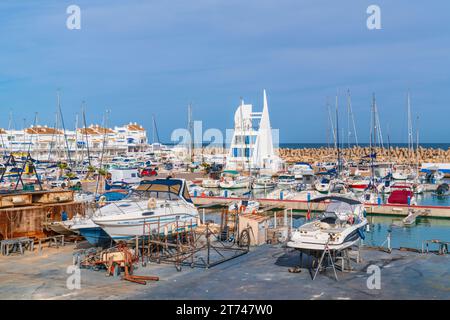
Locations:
column 300, row 205
column 260, row 274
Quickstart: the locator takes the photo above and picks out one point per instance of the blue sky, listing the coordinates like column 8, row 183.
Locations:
column 138, row 58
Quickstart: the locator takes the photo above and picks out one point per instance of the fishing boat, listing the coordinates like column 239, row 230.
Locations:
column 160, row 206
column 339, row 227
column 231, row 179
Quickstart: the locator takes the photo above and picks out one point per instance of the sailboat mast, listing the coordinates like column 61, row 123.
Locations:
column 85, row 133
column 64, row 129
column 337, row 138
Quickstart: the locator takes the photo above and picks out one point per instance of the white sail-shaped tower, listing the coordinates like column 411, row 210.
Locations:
column 252, row 146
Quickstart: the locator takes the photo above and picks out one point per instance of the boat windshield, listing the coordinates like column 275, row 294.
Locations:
column 172, row 189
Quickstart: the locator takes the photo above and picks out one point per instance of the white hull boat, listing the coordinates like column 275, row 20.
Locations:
column 339, row 227
column 210, row 183
column 160, row 206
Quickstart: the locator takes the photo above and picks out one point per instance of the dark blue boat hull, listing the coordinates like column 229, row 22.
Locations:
column 96, row 237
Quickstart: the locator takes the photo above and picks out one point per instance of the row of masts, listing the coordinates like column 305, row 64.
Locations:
column 376, row 134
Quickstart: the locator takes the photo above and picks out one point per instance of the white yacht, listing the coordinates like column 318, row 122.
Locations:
column 339, row 227
column 300, row 169
column 264, row 182
column 157, row 206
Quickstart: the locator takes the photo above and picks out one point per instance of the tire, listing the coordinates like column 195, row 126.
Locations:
column 244, row 239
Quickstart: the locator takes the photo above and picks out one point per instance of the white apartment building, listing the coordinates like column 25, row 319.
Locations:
column 45, row 143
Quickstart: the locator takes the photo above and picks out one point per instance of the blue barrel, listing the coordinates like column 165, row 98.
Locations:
column 379, row 200
column 281, row 195
column 225, row 193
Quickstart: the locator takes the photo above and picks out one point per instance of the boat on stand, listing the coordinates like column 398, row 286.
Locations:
column 160, row 206
column 339, row 227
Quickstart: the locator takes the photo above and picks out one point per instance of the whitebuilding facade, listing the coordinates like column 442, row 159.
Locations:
column 45, row 143
column 252, row 145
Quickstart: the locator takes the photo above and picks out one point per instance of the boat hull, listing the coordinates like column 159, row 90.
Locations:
column 96, row 236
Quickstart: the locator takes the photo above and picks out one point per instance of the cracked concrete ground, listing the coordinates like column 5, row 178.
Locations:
column 260, row 274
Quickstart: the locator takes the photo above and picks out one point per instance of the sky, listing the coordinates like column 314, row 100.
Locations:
column 138, row 58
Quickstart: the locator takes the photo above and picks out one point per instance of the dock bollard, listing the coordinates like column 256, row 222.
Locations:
column 225, row 193
column 379, row 200
column 409, row 200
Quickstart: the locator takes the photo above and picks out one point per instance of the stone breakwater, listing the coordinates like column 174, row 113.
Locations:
column 394, row 154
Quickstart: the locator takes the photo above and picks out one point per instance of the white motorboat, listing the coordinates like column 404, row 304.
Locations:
column 231, row 179
column 323, row 185
column 339, row 227
column 160, row 206
column 264, row 182
column 300, row 169
column 210, row 183
column 286, row 181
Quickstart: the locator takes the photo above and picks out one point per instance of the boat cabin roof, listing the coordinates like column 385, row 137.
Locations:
column 171, row 186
